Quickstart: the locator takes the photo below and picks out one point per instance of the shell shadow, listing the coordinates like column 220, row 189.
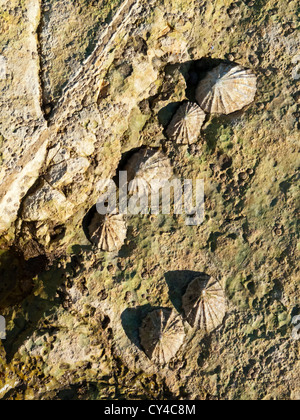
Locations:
column 87, row 220
column 193, row 72
column 35, row 309
column 166, row 114
column 17, row 276
column 126, row 156
column 132, row 319
column 178, row 282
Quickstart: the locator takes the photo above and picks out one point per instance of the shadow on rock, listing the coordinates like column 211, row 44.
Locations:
column 132, row 319
column 178, row 282
column 193, row 72
column 35, row 313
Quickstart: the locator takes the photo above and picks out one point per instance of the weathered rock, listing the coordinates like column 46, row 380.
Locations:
column 46, row 204
column 21, row 125
column 147, row 60
column 65, row 172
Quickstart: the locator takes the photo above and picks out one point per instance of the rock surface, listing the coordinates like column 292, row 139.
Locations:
column 77, row 100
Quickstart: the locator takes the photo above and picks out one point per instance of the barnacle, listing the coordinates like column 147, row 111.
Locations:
column 161, row 335
column 108, row 232
column 204, row 304
column 186, row 124
column 226, row 89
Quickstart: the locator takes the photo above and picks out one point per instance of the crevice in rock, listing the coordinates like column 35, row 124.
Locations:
column 87, row 221
column 17, row 275
column 45, row 109
column 123, row 161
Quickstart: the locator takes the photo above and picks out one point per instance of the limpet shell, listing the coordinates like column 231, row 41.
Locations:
column 108, row 232
column 146, row 166
column 161, row 335
column 186, row 124
column 204, row 304
column 226, row 89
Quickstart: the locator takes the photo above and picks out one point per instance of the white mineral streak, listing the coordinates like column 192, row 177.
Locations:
column 31, row 76
column 18, row 187
column 15, row 184
column 3, row 67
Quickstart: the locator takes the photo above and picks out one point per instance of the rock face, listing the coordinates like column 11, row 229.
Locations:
column 226, row 89
column 29, row 156
column 204, row 304
column 47, row 203
column 64, row 173
column 22, row 150
column 87, row 84
column 186, row 124
column 162, row 334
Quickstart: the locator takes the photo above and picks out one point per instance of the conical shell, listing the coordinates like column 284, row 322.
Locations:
column 226, row 89
column 204, row 304
column 108, row 232
column 146, row 166
column 161, row 335
column 186, row 124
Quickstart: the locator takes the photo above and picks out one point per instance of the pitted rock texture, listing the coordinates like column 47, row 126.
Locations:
column 84, row 86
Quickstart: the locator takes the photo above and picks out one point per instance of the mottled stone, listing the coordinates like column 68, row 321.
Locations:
column 46, row 204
